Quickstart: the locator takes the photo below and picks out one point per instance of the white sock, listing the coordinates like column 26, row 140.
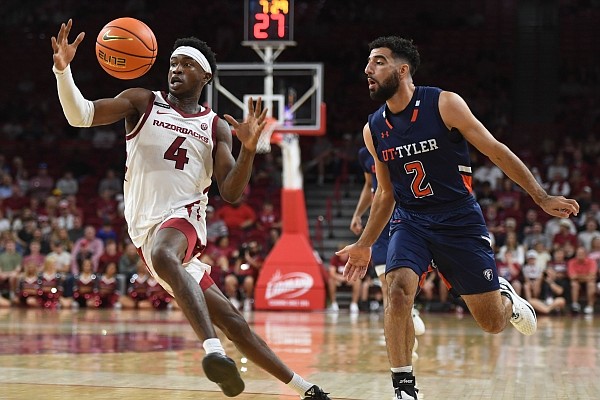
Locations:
column 398, row 370
column 299, row 384
column 213, row 345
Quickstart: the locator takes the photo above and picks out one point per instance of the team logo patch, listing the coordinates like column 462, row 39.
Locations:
column 488, row 274
column 204, row 126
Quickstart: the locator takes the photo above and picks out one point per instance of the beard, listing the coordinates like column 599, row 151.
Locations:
column 387, row 88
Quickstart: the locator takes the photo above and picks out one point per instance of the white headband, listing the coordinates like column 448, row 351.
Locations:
column 195, row 54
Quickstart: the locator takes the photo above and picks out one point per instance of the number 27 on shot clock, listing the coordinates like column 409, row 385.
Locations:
column 269, row 20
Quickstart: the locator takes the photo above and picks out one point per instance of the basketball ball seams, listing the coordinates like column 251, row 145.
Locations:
column 126, row 53
column 152, row 49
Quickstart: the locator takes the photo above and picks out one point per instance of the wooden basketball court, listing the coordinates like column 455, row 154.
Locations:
column 118, row 354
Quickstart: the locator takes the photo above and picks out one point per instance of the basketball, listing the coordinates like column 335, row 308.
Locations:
column 126, row 48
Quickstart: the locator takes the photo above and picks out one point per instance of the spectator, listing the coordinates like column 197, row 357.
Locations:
column 89, row 246
column 41, row 184
column 582, row 272
column 336, row 279
column 111, row 254
column 10, row 265
column 558, row 168
column 85, row 289
column 553, row 227
column 510, row 269
column 128, row 261
column 108, row 287
column 533, row 273
column 536, row 235
column 238, row 216
column 61, row 256
column 513, row 245
column 51, row 284
column 564, row 235
column 107, row 232
column 552, row 295
column 247, row 269
column 6, row 185
column 215, row 226
column 4, row 222
column 110, row 183
column 509, row 198
column 490, row 173
column 77, row 231
column 106, row 206
column 65, row 218
column 34, row 255
column 268, row 218
column 591, row 231
column 595, row 251
column 67, row 184
column 485, row 195
column 28, row 286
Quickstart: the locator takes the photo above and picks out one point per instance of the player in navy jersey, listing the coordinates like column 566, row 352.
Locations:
column 419, row 139
column 175, row 147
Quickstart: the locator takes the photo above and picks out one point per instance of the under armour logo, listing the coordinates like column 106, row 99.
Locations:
column 385, row 134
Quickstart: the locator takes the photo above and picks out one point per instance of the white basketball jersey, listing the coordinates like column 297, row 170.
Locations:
column 169, row 164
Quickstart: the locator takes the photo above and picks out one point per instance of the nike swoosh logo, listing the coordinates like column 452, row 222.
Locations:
column 107, row 37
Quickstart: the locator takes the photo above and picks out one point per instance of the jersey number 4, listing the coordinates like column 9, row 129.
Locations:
column 177, row 154
column 416, row 168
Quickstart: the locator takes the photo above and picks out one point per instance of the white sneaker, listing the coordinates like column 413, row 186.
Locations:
column 588, row 310
column 418, row 322
column 247, row 305
column 523, row 318
column 354, row 308
column 333, row 307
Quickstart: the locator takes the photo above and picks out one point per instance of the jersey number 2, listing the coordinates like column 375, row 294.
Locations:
column 177, row 154
column 416, row 167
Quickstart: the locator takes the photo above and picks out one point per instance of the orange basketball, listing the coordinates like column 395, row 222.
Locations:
column 126, row 48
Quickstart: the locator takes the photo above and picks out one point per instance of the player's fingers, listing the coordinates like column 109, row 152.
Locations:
column 232, row 121
column 258, row 108
column 79, row 39
column 250, row 106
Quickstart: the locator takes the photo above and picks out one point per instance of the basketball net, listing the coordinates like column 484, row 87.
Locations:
column 264, row 140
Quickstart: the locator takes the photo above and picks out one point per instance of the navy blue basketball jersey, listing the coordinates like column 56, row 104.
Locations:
column 365, row 159
column 429, row 164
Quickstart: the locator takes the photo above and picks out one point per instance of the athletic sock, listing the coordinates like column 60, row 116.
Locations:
column 213, row 345
column 407, row 369
column 299, row 384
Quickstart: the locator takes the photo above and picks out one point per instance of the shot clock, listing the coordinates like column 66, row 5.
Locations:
column 269, row 21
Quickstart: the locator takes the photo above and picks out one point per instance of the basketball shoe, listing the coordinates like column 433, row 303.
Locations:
column 404, row 386
column 523, row 317
column 222, row 370
column 316, row 393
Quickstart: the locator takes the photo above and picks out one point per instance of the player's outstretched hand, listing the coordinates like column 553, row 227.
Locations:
column 559, row 206
column 63, row 50
column 249, row 131
column 358, row 261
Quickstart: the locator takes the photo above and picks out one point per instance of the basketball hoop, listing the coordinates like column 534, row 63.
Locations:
column 264, row 141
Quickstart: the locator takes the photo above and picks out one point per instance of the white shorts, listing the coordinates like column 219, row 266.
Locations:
column 194, row 229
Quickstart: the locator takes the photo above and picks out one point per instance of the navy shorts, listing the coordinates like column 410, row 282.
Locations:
column 380, row 247
column 454, row 236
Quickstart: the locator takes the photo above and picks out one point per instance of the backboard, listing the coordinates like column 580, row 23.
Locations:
column 293, row 92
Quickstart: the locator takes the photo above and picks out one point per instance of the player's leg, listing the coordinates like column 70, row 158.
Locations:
column 169, row 247
column 234, row 326
column 168, row 251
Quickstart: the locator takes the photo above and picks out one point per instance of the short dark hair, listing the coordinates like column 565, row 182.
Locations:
column 401, row 48
column 203, row 48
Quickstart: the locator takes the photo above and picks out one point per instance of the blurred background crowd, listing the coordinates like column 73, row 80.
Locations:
column 528, row 69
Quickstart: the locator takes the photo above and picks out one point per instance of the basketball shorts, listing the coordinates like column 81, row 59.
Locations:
column 454, row 236
column 379, row 251
column 194, row 230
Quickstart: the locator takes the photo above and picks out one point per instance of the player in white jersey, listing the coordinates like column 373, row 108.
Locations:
column 174, row 148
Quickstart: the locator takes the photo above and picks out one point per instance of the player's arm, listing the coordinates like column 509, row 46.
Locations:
column 364, row 202
column 456, row 114
column 383, row 201
column 233, row 175
column 78, row 110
